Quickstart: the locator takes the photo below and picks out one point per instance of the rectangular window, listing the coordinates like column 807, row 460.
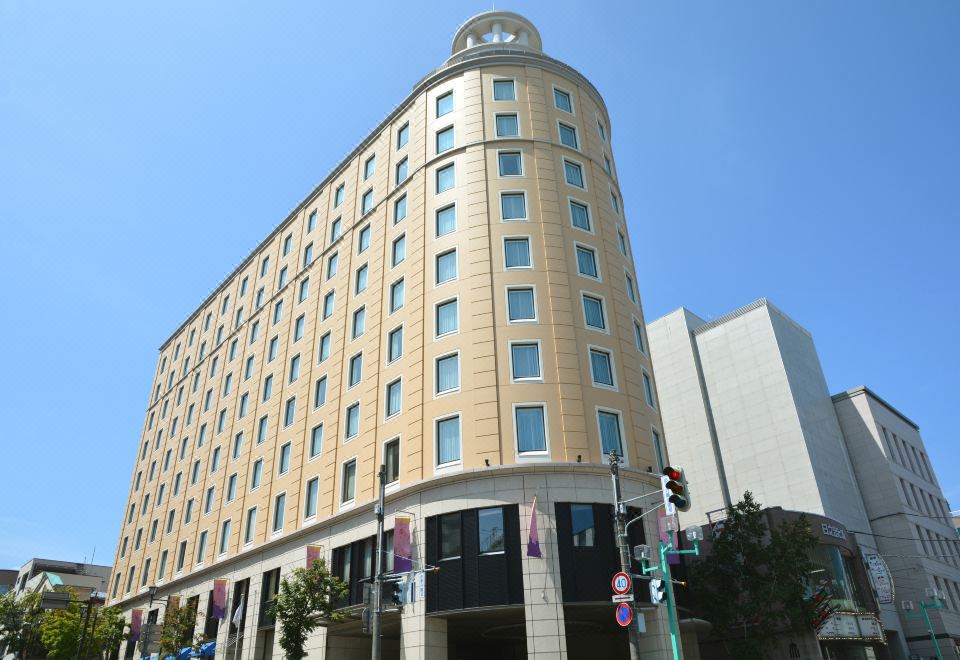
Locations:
column 445, row 104
column 369, row 166
column 348, row 486
column 395, row 344
column 283, row 465
column 503, row 90
column 323, row 348
column 311, row 225
column 638, row 336
column 336, row 227
column 521, row 305
column 287, row 243
column 398, row 251
column 256, row 474
column 258, row 301
column 447, row 318
column 208, row 501
column 248, row 368
column 232, row 487
column 181, row 556
column 609, row 432
column 396, row 296
column 582, row 525
column 568, row 136
column 448, row 440
column 161, row 568
column 298, row 327
column 601, row 367
column 171, row 516
column 328, row 301
column 525, row 361
column 224, row 537
column 279, row 510
column 402, row 171
column 308, row 255
column 194, row 473
column 510, row 163
column 366, row 202
column 623, row 243
column 282, row 278
column 516, row 252
column 360, row 280
column 400, row 209
column 615, row 203
column 593, row 312
column 310, row 498
column 265, row 267
column 320, row 392
column 513, row 206
column 445, row 140
column 394, row 398
column 601, row 131
column 531, row 430
column 446, row 220
column 316, row 440
column 267, row 387
column 507, row 125
column 215, row 460
column 188, row 512
column 648, row 390
column 446, row 267
column 359, row 322
column 355, row 370
column 352, row 427
column 403, row 135
column 391, row 459
column 249, row 527
column 332, row 262
column 450, row 540
column 446, row 178
column 562, row 100
column 338, row 196
column 658, row 451
column 262, row 429
column 254, row 331
column 289, row 411
column 490, row 529
column 587, row 262
column 631, row 292
column 573, row 173
column 448, row 373
column 232, row 355
column 272, row 349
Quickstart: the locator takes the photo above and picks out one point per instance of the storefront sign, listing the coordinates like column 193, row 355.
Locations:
column 851, row 625
column 834, row 531
column 880, row 578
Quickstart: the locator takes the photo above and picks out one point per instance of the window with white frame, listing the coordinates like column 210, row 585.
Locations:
column 394, row 398
column 403, row 168
column 444, row 104
column 391, row 459
column 525, row 361
column 323, row 348
column 448, row 440
column 593, row 313
column 359, row 322
column 446, row 220
column 250, row 526
column 395, row 344
column 400, row 209
column 601, row 367
column 363, row 241
column 504, row 90
column 446, row 266
column 531, row 429
column 568, row 136
column 332, row 262
column 648, row 394
column 403, row 135
column 338, row 195
column 316, row 440
column 328, row 301
column 352, row 426
column 348, row 485
column 283, row 462
column 396, row 295
column 320, row 392
column 573, row 173
column 289, row 411
column 279, row 511
column 311, row 492
column 587, row 261
column 562, row 100
column 336, row 227
column 507, row 125
column 513, row 206
column 398, row 251
column 521, row 305
column 610, row 437
column 631, row 291
column 369, row 166
column 580, row 216
column 447, row 317
column 445, row 139
column 446, row 178
column 516, row 252
column 510, row 163
column 355, row 370
column 448, row 373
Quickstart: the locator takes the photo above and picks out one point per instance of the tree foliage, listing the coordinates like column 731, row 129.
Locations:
column 20, row 620
column 111, row 630
column 179, row 624
column 753, row 583
column 306, row 597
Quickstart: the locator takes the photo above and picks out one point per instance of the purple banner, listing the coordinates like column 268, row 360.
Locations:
column 314, row 553
column 533, row 539
column 218, row 607
column 402, row 561
column 136, row 619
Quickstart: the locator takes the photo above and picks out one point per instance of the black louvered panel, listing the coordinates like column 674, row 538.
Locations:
column 565, row 552
column 515, row 549
column 432, row 552
column 451, row 584
column 471, row 549
column 494, row 580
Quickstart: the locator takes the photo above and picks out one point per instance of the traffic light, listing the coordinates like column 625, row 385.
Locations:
column 658, row 591
column 393, row 593
column 674, row 486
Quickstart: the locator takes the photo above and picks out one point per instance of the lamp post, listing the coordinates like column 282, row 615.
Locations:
column 937, row 602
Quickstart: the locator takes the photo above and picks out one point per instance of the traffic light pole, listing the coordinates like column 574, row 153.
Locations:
column 624, row 545
column 377, row 613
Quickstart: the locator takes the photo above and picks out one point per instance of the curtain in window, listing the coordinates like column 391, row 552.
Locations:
column 610, row 433
column 530, row 433
column 448, row 440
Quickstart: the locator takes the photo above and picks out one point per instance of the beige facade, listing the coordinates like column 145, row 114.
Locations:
column 460, row 223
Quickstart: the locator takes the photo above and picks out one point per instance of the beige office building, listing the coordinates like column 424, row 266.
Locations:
column 456, row 300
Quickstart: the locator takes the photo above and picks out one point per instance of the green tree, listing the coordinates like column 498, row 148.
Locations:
column 110, row 631
column 306, row 597
column 61, row 631
column 179, row 624
column 753, row 583
column 20, row 620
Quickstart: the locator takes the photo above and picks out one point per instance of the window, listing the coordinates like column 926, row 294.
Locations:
column 287, row 242
column 355, row 370
column 516, row 252
column 623, row 243
column 391, row 458
column 194, row 473
column 338, row 196
column 267, row 387
column 446, row 266
column 448, row 373
column 450, row 545
column 283, row 464
column 282, row 278
column 366, row 202
column 403, row 135
column 238, row 318
column 352, row 427
column 601, row 131
column 446, row 220
column 308, row 255
column 614, row 202
column 248, row 367
column 146, row 572
column 398, row 251
column 348, row 486
column 658, row 451
column 531, row 430
column 490, row 530
column 320, row 392
column 161, row 568
column 402, row 171
column 279, row 509
column 360, row 279
column 244, row 405
column 447, row 317
column 289, row 411
column 568, row 136
column 601, row 367
column 587, row 262
column 582, row 526
column 593, row 312
column 609, row 423
column 232, row 356
column 261, row 429
column 258, row 303
column 638, row 336
column 395, row 344
column 311, row 225
column 445, row 104
column 445, row 140
column 254, row 331
column 208, row 500
column 359, row 322
column 310, row 498
column 224, row 537
column 445, row 178
column 256, row 474
column 188, row 512
column 510, row 163
column 448, row 440
column 573, row 173
column 265, row 267
column 513, row 206
column 648, row 390
column 336, row 225
column 507, row 125
column 608, row 168
column 272, row 349
column 561, row 99
column 394, row 397
column 323, row 348
column 232, row 487
column 332, row 262
column 227, row 385
column 631, row 291
column 396, row 296
column 525, row 361
column 249, row 527
column 369, row 166
column 400, row 209
column 328, row 301
column 294, row 368
column 316, row 440
column 215, row 460
column 298, row 326
column 503, row 90
column 520, row 305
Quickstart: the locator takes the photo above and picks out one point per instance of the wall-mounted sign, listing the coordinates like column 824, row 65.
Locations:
column 834, row 531
column 851, row 625
column 880, row 578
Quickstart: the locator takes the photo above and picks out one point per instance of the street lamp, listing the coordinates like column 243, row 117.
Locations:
column 937, row 602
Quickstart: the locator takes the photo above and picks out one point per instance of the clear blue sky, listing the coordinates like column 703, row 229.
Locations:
column 808, row 152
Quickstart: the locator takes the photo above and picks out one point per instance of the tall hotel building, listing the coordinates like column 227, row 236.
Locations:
column 456, row 300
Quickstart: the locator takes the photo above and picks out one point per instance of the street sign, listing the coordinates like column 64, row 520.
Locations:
column 624, row 614
column 622, row 598
column 620, row 583
column 55, row 600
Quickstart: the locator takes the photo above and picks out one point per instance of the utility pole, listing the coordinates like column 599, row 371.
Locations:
column 377, row 613
column 83, row 635
column 624, row 546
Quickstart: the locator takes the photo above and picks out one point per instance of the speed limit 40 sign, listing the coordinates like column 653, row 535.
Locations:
column 620, row 583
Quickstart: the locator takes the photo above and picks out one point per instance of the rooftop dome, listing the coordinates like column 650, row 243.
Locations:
column 496, row 27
